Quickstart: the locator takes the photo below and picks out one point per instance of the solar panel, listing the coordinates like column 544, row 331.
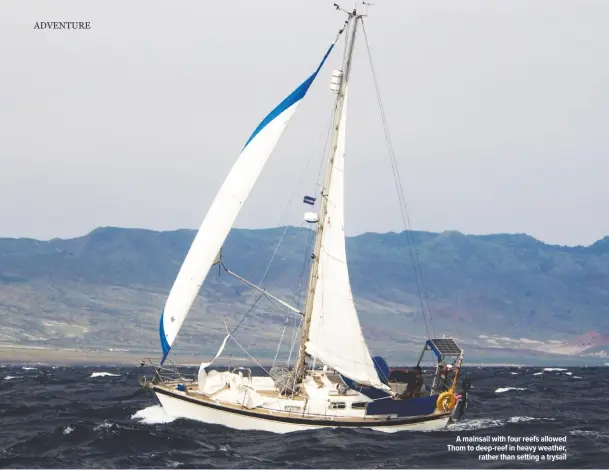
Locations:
column 446, row 346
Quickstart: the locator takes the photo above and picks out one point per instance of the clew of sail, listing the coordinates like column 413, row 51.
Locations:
column 335, row 335
column 224, row 210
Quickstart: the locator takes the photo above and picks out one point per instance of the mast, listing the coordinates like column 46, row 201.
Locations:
column 338, row 112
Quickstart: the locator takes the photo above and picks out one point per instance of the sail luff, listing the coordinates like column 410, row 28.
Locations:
column 224, row 210
column 335, row 333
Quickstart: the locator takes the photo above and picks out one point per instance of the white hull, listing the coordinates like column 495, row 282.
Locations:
column 181, row 406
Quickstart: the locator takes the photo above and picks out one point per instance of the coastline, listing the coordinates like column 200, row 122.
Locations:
column 24, row 355
column 20, row 355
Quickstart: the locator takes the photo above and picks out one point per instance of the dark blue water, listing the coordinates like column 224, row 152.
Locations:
column 64, row 417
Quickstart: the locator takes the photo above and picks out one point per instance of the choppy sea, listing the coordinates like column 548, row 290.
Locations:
column 99, row 417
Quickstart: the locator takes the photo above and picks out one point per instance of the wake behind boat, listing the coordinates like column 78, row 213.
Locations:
column 349, row 388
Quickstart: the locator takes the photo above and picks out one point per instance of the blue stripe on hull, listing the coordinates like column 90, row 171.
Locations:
column 421, row 406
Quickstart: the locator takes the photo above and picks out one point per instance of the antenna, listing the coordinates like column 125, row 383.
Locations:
column 353, row 13
column 338, row 7
column 368, row 5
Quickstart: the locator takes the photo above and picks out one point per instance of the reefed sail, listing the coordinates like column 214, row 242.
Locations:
column 335, row 334
column 224, row 210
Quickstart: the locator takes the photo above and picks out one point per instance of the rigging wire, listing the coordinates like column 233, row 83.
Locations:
column 279, row 344
column 414, row 255
column 294, row 338
column 298, row 294
column 300, row 288
column 298, row 291
column 249, row 355
column 301, row 285
column 246, row 314
column 303, row 172
column 325, row 150
column 268, row 266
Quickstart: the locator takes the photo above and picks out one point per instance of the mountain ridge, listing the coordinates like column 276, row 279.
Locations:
column 108, row 287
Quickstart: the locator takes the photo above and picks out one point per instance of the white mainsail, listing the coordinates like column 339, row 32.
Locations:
column 335, row 335
column 224, row 210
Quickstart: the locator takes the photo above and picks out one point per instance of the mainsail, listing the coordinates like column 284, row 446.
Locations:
column 335, row 335
column 224, row 210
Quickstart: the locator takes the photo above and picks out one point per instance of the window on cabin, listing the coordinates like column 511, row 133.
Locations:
column 359, row 405
column 337, row 405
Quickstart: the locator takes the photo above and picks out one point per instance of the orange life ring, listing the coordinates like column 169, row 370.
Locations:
column 446, row 401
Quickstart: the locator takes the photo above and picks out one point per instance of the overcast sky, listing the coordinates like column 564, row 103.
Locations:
column 498, row 112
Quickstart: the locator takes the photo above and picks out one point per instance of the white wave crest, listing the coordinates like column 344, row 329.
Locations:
column 472, row 424
column 68, row 430
column 507, row 389
column 590, row 434
column 103, row 374
column 538, row 374
column 524, row 419
column 154, row 414
column 554, row 369
column 104, row 425
column 29, row 368
column 11, row 377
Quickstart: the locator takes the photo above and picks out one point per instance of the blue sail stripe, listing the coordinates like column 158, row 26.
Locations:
column 164, row 344
column 292, row 98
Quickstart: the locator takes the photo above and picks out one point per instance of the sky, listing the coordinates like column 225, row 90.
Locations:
column 498, row 113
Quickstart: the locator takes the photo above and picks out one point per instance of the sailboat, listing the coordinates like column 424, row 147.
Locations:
column 335, row 381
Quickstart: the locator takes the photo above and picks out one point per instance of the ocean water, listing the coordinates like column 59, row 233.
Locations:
column 99, row 417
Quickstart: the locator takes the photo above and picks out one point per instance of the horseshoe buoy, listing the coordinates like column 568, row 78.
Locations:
column 446, row 401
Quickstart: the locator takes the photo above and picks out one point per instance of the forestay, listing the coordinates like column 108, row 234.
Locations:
column 224, row 210
column 335, row 335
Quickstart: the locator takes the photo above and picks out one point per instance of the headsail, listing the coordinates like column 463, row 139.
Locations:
column 335, row 335
column 224, row 210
